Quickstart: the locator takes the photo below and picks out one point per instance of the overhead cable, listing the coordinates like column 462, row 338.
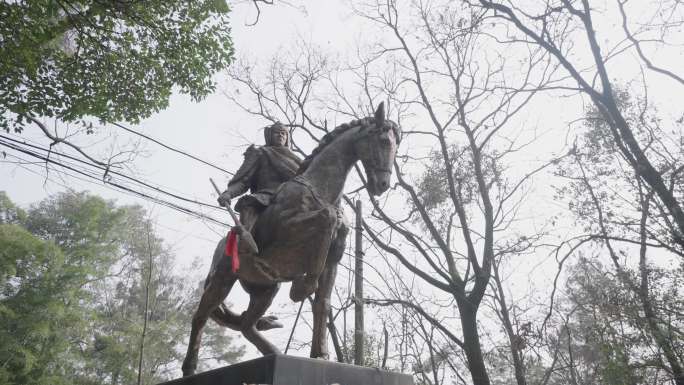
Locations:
column 110, row 182
column 171, row 148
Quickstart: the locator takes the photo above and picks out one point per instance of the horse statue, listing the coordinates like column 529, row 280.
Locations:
column 301, row 237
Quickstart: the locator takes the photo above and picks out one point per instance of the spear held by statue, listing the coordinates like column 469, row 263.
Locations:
column 241, row 231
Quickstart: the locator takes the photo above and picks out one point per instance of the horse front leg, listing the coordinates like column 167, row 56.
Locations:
column 326, row 282
column 321, row 307
column 325, row 229
column 214, row 293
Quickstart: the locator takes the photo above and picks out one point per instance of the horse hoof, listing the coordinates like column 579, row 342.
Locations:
column 302, row 288
column 189, row 366
column 267, row 323
column 319, row 356
column 188, row 372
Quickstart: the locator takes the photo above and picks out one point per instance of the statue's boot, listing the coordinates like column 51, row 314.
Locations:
column 303, row 287
column 248, row 217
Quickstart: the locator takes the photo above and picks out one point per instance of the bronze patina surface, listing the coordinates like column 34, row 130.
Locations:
column 299, row 228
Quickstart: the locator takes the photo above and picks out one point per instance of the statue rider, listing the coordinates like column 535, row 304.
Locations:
column 262, row 171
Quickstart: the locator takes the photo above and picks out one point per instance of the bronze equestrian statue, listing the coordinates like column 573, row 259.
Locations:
column 300, row 233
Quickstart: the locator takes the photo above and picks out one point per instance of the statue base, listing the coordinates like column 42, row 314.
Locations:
column 289, row 370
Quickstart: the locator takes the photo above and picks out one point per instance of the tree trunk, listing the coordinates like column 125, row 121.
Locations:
column 652, row 319
column 471, row 343
column 146, row 309
column 513, row 339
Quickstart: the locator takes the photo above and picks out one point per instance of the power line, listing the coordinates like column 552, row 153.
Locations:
column 38, row 145
column 109, row 182
column 108, row 172
column 23, row 163
column 171, row 148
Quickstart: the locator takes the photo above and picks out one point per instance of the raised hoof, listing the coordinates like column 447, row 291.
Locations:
column 267, row 323
column 302, row 288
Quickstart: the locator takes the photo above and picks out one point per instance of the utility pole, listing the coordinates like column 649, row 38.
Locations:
column 358, row 289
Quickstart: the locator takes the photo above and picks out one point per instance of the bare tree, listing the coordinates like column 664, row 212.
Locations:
column 563, row 27
column 623, row 221
column 462, row 199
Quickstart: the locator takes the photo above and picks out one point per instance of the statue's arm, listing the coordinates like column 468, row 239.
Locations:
column 241, row 181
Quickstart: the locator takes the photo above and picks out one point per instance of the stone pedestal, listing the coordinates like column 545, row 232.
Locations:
column 289, row 370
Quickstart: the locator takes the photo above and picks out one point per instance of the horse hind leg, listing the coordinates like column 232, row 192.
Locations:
column 260, row 299
column 214, row 293
column 225, row 317
column 222, row 315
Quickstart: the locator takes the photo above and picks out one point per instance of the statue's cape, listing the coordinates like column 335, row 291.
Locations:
column 248, row 165
column 278, row 159
column 284, row 161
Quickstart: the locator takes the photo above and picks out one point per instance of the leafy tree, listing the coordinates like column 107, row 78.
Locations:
column 599, row 333
column 115, row 60
column 40, row 295
column 619, row 214
column 144, row 309
column 9, row 213
column 88, row 293
column 48, row 292
column 86, row 227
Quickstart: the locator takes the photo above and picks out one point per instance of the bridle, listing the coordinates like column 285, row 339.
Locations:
column 376, row 160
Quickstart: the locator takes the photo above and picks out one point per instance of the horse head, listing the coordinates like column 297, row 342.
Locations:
column 376, row 148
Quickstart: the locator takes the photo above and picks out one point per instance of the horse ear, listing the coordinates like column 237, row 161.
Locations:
column 380, row 115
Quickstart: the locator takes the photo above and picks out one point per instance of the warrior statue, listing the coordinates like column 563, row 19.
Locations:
column 294, row 215
column 263, row 170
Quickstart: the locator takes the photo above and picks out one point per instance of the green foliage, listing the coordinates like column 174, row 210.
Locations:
column 603, row 336
column 110, row 60
column 373, row 345
column 9, row 213
column 40, row 293
column 76, row 273
column 433, row 188
column 87, row 228
column 597, row 162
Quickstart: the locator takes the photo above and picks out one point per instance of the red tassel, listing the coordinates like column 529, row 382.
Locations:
column 232, row 250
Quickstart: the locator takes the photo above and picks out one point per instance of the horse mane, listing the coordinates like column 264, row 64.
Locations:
column 330, row 137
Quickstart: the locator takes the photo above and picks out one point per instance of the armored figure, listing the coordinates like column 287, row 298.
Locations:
column 302, row 232
column 262, row 171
